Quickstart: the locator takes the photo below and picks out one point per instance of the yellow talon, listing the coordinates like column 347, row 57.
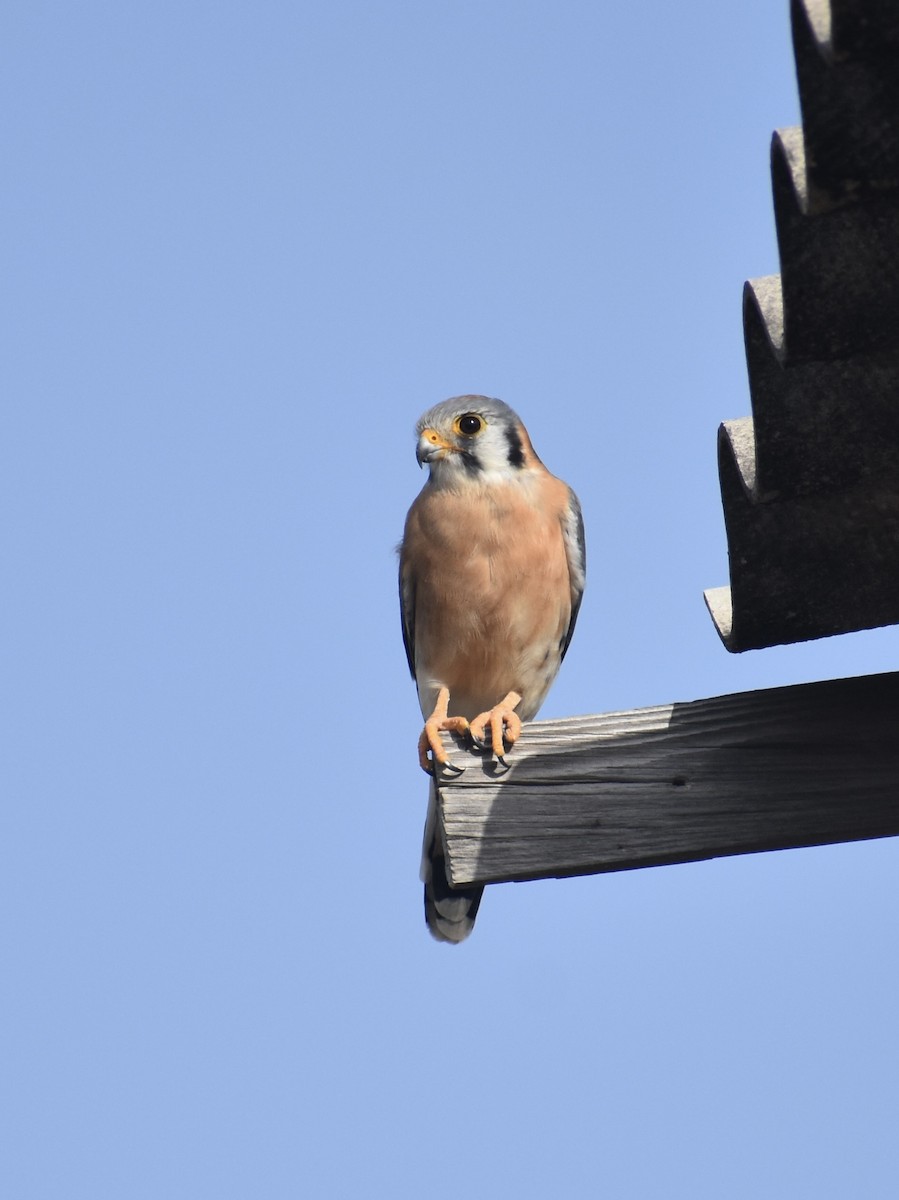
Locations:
column 430, row 735
column 504, row 722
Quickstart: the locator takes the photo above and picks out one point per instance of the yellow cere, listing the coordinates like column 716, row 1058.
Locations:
column 435, row 438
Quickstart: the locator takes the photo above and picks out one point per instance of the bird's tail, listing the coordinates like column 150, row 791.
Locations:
column 449, row 911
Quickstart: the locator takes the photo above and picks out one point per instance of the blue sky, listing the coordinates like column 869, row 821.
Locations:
column 244, row 246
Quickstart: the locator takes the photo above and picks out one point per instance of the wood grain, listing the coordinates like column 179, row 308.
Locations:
column 767, row 770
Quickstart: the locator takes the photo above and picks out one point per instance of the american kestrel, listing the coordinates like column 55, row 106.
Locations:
column 492, row 569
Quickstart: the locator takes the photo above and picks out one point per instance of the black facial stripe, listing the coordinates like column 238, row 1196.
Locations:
column 516, row 454
column 470, row 462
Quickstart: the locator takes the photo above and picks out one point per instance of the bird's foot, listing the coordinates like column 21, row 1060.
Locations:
column 430, row 735
column 505, row 727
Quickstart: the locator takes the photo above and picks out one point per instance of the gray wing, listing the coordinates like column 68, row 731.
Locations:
column 576, row 550
column 407, row 612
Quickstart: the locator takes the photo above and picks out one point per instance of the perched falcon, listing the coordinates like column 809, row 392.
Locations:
column 492, row 570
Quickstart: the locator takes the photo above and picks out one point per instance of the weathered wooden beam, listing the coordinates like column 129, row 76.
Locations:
column 767, row 770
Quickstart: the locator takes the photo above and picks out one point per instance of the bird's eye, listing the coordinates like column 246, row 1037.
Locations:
column 469, row 424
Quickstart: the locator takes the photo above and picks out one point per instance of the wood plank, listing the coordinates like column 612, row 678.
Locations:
column 766, row 770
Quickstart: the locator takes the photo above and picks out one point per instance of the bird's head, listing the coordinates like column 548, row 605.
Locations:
column 473, row 437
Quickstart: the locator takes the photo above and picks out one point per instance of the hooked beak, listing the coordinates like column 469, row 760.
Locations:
column 431, row 447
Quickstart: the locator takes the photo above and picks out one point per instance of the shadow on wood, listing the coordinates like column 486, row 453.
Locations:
column 767, row 770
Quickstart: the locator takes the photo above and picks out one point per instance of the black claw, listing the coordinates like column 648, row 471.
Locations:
column 451, row 769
